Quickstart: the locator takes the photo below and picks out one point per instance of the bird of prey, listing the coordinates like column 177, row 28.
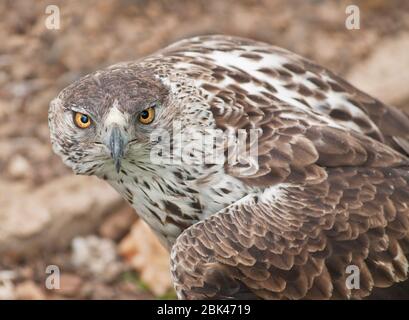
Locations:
column 326, row 193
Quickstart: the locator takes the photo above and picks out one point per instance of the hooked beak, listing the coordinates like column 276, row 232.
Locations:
column 116, row 145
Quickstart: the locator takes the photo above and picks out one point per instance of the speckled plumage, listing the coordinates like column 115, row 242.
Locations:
column 329, row 188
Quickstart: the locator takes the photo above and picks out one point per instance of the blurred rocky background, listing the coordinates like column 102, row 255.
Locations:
column 48, row 216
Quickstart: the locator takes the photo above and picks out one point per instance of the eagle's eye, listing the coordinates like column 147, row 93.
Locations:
column 82, row 120
column 146, row 116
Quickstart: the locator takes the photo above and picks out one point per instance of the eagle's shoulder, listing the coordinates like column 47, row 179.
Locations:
column 306, row 117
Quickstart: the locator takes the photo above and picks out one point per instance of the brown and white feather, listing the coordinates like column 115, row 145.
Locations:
column 329, row 188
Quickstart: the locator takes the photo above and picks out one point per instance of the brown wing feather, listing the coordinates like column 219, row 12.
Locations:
column 392, row 123
column 314, row 86
column 338, row 158
column 297, row 241
column 297, row 149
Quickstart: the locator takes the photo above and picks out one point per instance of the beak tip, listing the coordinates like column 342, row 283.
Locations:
column 117, row 165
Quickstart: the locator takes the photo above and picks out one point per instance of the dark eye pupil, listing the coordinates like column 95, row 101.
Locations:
column 144, row 114
column 84, row 119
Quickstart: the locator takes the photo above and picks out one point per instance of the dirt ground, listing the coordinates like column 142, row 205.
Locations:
column 98, row 254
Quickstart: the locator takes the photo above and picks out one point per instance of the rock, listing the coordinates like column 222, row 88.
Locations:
column 381, row 74
column 50, row 216
column 19, row 167
column 26, row 272
column 70, row 284
column 96, row 256
column 118, row 224
column 99, row 291
column 143, row 251
column 7, row 288
column 28, row 290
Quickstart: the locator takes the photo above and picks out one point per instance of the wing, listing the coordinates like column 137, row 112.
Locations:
column 293, row 242
column 306, row 118
column 238, row 76
column 330, row 179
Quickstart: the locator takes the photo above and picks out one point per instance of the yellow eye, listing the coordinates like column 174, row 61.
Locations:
column 82, row 120
column 146, row 116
